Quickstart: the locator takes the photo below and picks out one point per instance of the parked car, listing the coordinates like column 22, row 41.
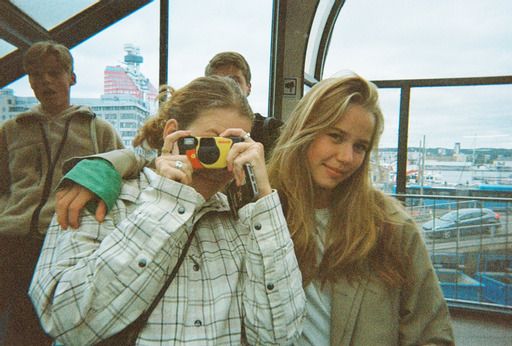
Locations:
column 466, row 221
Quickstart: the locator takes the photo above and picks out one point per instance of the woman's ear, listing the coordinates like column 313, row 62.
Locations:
column 72, row 81
column 170, row 126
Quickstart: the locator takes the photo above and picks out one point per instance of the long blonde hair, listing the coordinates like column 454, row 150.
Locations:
column 358, row 232
column 186, row 104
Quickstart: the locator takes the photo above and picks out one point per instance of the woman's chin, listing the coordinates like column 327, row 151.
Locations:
column 214, row 175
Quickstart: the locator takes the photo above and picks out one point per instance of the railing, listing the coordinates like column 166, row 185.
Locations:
column 470, row 243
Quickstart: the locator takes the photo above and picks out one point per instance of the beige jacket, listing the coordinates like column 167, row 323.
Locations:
column 366, row 312
column 32, row 151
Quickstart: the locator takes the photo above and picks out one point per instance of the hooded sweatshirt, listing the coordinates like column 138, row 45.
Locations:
column 33, row 148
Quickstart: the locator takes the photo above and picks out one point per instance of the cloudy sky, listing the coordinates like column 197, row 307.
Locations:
column 379, row 39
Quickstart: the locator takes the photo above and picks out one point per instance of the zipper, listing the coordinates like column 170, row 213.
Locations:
column 34, row 223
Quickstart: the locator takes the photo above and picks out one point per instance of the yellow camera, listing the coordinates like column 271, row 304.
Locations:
column 207, row 152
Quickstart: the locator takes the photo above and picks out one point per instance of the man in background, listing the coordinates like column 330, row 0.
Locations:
column 232, row 64
column 33, row 147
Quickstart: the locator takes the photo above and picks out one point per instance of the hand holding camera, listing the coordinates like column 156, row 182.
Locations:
column 171, row 164
column 233, row 150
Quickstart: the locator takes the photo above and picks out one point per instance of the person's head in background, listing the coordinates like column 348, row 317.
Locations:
column 49, row 66
column 322, row 160
column 233, row 65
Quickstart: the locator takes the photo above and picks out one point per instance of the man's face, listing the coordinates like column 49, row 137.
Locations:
column 51, row 84
column 235, row 74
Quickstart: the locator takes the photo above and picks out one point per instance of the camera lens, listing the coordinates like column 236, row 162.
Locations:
column 208, row 152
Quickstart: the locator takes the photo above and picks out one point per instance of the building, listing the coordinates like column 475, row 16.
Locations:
column 128, row 79
column 125, row 112
column 11, row 105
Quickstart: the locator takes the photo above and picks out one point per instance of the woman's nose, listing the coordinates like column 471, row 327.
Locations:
column 345, row 152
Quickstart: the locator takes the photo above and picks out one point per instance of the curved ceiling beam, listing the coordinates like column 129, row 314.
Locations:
column 325, row 40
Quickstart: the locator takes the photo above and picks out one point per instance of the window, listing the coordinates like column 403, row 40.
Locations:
column 229, row 26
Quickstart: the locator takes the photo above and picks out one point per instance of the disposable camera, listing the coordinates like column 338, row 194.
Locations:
column 207, row 152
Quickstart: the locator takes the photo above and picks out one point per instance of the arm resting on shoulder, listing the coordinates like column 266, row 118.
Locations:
column 92, row 183
column 99, row 194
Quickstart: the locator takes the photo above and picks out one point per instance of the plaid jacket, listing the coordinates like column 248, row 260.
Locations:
column 240, row 281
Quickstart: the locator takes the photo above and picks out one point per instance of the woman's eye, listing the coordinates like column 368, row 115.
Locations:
column 361, row 148
column 337, row 137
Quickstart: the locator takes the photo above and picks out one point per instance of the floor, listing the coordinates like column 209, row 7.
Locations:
column 475, row 330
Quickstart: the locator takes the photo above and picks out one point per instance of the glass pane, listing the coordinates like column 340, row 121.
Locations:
column 197, row 33
column 50, row 13
column 467, row 133
column 384, row 167
column 6, row 48
column 398, row 39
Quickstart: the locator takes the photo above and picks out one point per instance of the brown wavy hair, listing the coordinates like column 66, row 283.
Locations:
column 186, row 104
column 41, row 49
column 359, row 233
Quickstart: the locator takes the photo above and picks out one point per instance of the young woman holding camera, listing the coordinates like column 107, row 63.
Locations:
column 239, row 281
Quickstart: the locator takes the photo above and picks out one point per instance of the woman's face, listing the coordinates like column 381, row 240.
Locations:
column 334, row 155
column 211, row 123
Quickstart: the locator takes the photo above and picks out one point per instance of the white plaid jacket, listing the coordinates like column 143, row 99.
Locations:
column 240, row 280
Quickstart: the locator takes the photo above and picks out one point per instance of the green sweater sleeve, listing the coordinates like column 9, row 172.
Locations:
column 98, row 176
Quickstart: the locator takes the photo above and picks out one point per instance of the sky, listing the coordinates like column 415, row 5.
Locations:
column 379, row 39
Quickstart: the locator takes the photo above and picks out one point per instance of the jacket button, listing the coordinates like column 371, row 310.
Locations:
column 142, row 263
column 181, row 210
column 195, row 267
column 198, row 323
column 270, row 287
column 257, row 226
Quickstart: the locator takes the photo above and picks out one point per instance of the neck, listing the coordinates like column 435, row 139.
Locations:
column 54, row 110
column 322, row 199
column 204, row 188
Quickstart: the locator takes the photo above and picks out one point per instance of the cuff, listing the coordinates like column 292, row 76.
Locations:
column 98, row 176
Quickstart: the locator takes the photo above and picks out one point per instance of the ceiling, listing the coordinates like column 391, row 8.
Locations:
column 23, row 22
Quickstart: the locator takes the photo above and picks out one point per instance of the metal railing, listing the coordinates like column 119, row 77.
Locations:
column 470, row 243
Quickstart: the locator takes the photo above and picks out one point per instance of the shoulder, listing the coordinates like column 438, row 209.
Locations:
column 7, row 125
column 399, row 219
column 392, row 208
column 22, row 118
column 102, row 123
column 267, row 121
column 15, row 129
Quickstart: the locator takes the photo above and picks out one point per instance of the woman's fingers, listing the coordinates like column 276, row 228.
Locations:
column 169, row 146
column 69, row 203
column 101, row 211
column 175, row 167
column 249, row 152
